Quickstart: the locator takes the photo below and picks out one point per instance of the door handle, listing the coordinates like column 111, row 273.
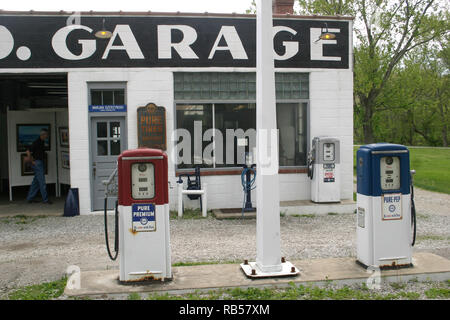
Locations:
column 94, row 171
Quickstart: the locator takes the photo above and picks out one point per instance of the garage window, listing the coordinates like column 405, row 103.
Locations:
column 228, row 101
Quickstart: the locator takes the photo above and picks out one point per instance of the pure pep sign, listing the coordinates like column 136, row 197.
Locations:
column 39, row 41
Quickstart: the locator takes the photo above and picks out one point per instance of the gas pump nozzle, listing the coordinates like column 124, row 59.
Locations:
column 412, row 173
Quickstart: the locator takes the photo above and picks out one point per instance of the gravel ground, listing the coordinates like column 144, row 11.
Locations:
column 39, row 249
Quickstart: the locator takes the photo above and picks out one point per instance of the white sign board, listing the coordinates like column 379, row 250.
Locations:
column 143, row 217
column 392, row 206
column 361, row 217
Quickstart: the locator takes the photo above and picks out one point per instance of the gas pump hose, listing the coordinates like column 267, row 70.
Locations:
column 310, row 165
column 116, row 233
column 413, row 214
column 250, row 185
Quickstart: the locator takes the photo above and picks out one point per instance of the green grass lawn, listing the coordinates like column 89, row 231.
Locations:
column 432, row 167
column 411, row 290
column 43, row 291
column 438, row 290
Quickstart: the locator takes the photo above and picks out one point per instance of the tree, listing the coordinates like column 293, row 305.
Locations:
column 252, row 8
column 444, row 106
column 386, row 31
column 327, row 8
column 413, row 108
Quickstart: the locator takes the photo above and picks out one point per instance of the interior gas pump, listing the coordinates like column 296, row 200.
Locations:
column 248, row 176
column 142, row 212
column 386, row 222
column 248, row 179
column 323, row 169
column 193, row 183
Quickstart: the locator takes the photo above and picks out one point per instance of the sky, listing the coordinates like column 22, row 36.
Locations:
column 217, row 6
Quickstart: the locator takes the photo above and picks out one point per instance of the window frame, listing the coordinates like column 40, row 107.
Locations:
column 103, row 98
column 218, row 101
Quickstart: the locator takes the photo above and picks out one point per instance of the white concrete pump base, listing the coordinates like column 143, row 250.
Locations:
column 287, row 270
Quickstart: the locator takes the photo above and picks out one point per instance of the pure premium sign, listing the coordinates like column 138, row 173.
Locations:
column 57, row 41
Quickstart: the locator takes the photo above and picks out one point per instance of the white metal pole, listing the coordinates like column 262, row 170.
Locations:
column 180, row 200
column 204, row 198
column 268, row 253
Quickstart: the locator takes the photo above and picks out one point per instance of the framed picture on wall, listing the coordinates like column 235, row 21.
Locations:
column 65, row 160
column 26, row 166
column 28, row 133
column 63, row 136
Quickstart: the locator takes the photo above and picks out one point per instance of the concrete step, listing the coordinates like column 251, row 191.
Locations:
column 298, row 207
column 427, row 267
column 301, row 207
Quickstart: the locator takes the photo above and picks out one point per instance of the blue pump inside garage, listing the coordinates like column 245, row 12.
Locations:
column 248, row 179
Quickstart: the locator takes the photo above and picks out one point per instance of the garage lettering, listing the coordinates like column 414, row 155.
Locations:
column 88, row 46
column 228, row 36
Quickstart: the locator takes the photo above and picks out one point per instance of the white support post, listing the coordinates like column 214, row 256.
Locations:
column 204, row 201
column 202, row 193
column 268, row 252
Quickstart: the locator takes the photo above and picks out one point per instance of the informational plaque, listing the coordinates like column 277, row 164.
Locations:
column 151, row 125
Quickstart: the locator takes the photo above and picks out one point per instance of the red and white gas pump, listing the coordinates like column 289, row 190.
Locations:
column 143, row 206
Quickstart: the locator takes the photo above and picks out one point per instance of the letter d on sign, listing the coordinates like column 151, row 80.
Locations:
column 6, row 42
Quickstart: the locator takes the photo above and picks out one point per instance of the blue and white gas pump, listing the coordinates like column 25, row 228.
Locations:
column 385, row 207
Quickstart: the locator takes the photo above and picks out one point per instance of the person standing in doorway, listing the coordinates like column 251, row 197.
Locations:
column 36, row 155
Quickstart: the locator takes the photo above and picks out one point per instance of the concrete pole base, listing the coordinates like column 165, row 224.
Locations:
column 251, row 270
